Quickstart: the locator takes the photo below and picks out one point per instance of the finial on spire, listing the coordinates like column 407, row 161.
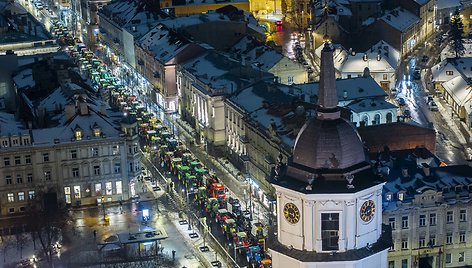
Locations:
column 327, row 95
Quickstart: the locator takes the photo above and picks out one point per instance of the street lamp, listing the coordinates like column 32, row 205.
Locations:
column 184, row 191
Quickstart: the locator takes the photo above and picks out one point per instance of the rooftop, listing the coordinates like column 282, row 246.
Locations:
column 164, row 43
column 400, row 19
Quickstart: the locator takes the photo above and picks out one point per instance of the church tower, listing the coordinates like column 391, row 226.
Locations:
column 329, row 199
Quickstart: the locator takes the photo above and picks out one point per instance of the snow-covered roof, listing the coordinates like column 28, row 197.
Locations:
column 207, row 2
column 196, row 19
column 459, row 90
column 380, row 58
column 349, row 89
column 448, row 53
column 10, row 126
column 216, row 71
column 339, row 55
column 265, row 57
column 400, row 19
column 446, row 4
column 451, row 68
column 165, row 44
column 24, row 79
column 422, row 2
column 370, row 105
column 143, row 22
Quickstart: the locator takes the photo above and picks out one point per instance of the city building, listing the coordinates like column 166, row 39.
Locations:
column 445, row 9
column 382, row 61
column 329, row 199
column 22, row 34
column 67, row 147
column 426, row 11
column 427, row 205
column 259, row 55
column 451, row 79
column 158, row 54
column 203, row 84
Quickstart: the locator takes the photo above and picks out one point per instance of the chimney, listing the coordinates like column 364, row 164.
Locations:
column 69, row 111
column 103, row 109
column 426, row 170
column 405, row 173
column 83, row 107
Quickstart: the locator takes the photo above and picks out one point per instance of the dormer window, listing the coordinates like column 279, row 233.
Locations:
column 97, row 131
column 401, row 196
column 78, row 134
column 388, row 196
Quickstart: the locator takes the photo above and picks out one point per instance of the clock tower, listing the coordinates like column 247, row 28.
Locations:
column 329, row 200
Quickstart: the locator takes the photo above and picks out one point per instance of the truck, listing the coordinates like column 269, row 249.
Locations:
column 218, row 191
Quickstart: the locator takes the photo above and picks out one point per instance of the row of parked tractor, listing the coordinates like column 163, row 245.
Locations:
column 213, row 200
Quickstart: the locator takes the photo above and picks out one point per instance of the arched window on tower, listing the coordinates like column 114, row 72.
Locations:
column 365, row 119
column 376, row 119
column 389, row 117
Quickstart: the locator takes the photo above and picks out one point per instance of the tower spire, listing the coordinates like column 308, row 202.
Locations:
column 327, row 95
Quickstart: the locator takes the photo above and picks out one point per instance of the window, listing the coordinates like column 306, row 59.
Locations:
column 67, row 195
column 290, row 80
column 422, row 220
column 77, row 192
column 119, row 187
column 31, row 195
column 96, row 170
column 448, row 257
column 450, row 216
column 449, row 72
column 329, row 231
column 405, row 263
column 8, row 179
column 46, row 157
column 11, row 197
column 94, row 152
column 376, row 119
column 391, row 222
column 462, row 237
column 108, row 188
column 17, row 160
column 463, row 215
column 98, row 189
column 422, row 242
column 97, row 132
column 391, row 264
column 47, row 175
column 117, row 168
column 432, row 241
column 21, row 196
column 28, row 159
column 432, row 219
column 405, row 243
column 388, row 196
column 78, row 134
column 461, row 256
column 449, row 238
column 19, row 179
column 115, row 149
column 29, row 177
column 73, row 154
column 11, row 210
column 405, row 222
column 6, row 161
column 75, row 172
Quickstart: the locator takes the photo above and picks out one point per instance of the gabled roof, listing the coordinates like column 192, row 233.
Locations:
column 400, row 19
column 381, row 57
column 460, row 90
column 164, row 43
column 367, row 105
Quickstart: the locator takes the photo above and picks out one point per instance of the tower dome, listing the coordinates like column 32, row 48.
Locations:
column 328, row 143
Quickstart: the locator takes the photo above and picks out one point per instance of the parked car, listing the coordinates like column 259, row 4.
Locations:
column 401, row 102
column 468, row 154
column 433, row 106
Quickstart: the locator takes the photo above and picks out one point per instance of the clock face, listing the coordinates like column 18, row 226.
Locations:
column 367, row 210
column 291, row 213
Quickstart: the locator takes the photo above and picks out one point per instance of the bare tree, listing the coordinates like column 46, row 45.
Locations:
column 8, row 242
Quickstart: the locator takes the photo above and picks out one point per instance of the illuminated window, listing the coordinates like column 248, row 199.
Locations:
column 21, row 196
column 31, row 195
column 449, row 72
column 108, row 187
column 77, row 192
column 11, row 197
column 115, row 150
column 67, row 195
column 119, row 187
column 97, row 132
column 78, row 134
